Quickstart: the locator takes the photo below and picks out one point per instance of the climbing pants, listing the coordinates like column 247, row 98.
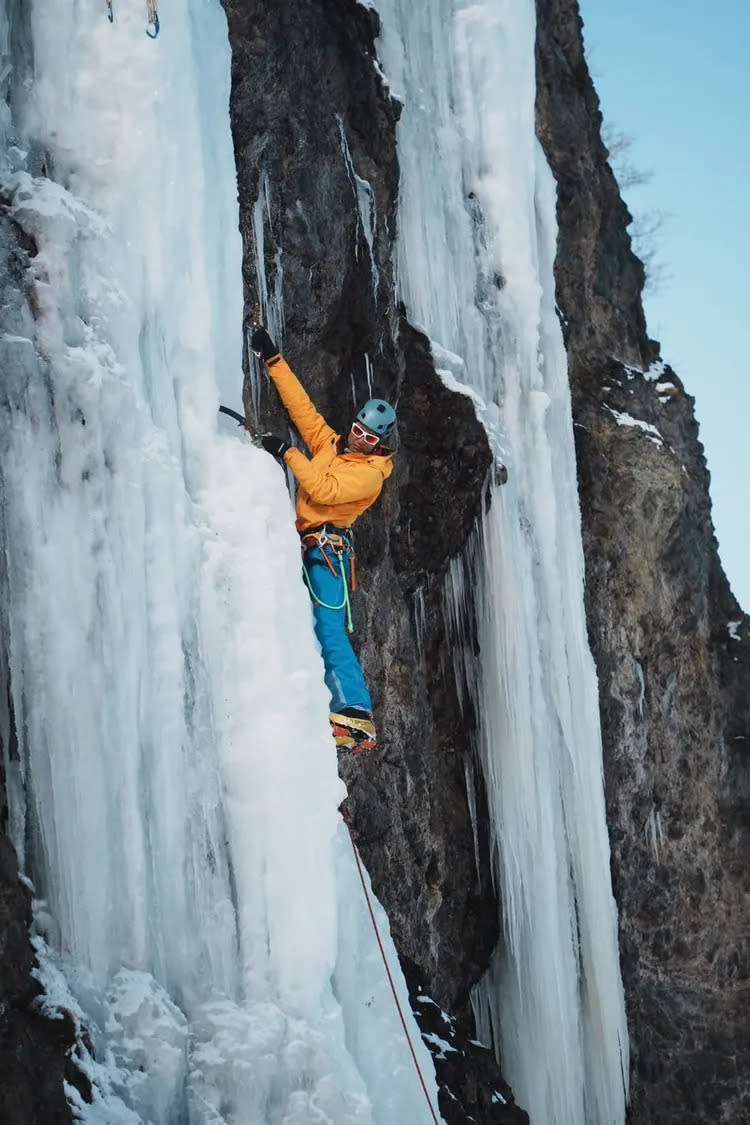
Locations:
column 343, row 674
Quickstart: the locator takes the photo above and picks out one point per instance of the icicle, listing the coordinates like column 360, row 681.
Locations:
column 641, row 688
column 271, row 307
column 472, row 802
column 455, row 608
column 653, row 830
column 368, row 372
column 418, row 609
column 364, row 198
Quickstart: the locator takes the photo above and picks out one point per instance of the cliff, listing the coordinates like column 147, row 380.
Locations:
column 312, row 118
column 671, row 644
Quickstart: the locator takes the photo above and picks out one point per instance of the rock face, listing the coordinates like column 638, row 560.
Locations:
column 34, row 1051
column 671, row 644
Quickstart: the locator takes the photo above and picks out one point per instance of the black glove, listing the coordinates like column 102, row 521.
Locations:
column 276, row 446
column 262, row 343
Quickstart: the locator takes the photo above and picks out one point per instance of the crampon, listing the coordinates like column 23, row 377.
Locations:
column 353, row 730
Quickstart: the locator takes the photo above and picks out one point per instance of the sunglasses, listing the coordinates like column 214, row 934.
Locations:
column 367, row 437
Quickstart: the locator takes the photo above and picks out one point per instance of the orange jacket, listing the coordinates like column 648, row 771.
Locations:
column 334, row 487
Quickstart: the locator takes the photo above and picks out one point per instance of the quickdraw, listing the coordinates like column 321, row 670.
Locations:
column 341, row 546
column 152, row 18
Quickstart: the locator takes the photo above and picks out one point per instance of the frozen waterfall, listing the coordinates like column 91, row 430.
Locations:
column 476, row 244
column 195, row 885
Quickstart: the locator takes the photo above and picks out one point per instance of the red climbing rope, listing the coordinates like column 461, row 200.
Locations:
column 345, row 814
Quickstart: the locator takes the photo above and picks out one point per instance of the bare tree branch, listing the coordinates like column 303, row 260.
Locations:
column 646, row 226
column 645, row 234
column 618, row 145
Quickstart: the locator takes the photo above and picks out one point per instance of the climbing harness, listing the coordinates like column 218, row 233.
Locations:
column 347, row 821
column 340, row 545
column 152, row 29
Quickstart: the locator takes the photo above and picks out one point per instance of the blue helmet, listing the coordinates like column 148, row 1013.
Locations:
column 378, row 416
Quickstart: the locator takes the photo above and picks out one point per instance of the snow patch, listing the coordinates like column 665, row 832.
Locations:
column 655, row 371
column 624, row 419
column 451, row 370
column 443, row 1048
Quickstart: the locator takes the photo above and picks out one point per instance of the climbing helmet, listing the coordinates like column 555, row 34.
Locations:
column 378, row 416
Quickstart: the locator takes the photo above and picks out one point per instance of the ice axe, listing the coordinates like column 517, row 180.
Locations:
column 241, row 420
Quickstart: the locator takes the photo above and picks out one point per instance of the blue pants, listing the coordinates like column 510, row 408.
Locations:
column 344, row 677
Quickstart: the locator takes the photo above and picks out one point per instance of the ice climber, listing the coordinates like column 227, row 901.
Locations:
column 341, row 479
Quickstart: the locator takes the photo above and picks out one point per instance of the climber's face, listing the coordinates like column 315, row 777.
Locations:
column 361, row 440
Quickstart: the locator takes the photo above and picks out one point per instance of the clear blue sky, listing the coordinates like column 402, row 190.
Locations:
column 676, row 77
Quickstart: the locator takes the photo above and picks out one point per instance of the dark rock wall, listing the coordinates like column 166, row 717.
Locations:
column 34, row 1050
column 674, row 682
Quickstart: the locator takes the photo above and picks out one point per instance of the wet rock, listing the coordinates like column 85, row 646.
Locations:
column 34, row 1051
column 470, row 1085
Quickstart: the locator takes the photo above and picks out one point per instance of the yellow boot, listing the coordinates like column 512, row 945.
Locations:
column 353, row 729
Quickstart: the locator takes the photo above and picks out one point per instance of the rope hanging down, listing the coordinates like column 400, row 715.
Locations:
column 348, row 823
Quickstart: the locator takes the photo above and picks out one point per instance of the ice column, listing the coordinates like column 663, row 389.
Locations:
column 476, row 247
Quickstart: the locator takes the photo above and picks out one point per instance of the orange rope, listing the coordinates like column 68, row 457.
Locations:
column 345, row 814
